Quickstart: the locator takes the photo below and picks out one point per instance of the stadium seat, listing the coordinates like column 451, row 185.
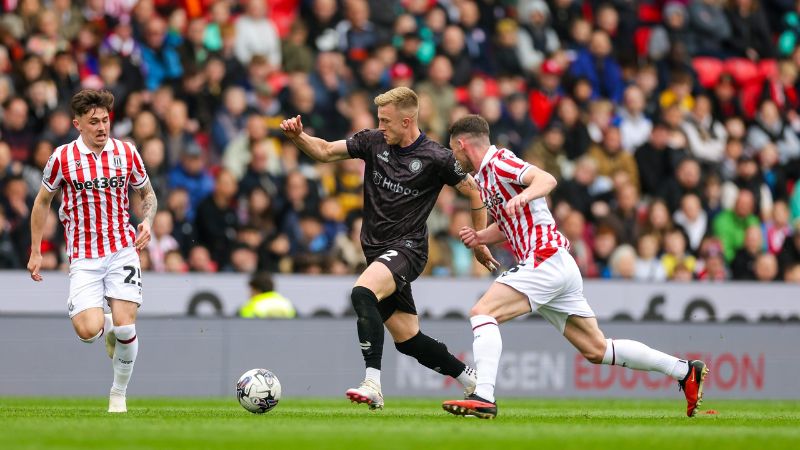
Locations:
column 641, row 39
column 750, row 95
column 744, row 71
column 283, row 13
column 650, row 13
column 708, row 70
column 768, row 68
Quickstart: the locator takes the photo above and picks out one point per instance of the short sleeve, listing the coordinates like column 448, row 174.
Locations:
column 51, row 175
column 511, row 168
column 452, row 173
column 138, row 172
column 358, row 144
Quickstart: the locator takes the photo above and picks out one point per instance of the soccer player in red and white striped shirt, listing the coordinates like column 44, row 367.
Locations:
column 94, row 173
column 546, row 278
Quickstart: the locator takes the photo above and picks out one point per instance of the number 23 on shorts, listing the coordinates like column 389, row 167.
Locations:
column 134, row 275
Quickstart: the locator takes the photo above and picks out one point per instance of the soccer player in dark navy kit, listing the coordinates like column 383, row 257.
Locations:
column 405, row 171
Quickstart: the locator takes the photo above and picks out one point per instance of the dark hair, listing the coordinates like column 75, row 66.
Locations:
column 471, row 124
column 89, row 99
column 262, row 281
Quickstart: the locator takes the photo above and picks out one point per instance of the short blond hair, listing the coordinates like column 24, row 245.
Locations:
column 401, row 97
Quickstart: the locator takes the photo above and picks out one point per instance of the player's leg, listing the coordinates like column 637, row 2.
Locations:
column 85, row 303
column 127, row 346
column 572, row 314
column 89, row 324
column 586, row 336
column 499, row 304
column 431, row 353
column 123, row 286
column 374, row 284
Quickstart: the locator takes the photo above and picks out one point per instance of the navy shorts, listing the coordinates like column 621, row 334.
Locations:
column 405, row 266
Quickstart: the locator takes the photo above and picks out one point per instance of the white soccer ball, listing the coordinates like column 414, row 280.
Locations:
column 258, row 390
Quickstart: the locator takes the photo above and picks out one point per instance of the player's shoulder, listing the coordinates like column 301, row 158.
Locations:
column 436, row 150
column 124, row 144
column 504, row 153
column 506, row 156
column 368, row 134
column 62, row 152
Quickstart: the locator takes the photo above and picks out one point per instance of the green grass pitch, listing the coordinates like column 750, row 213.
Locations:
column 408, row 424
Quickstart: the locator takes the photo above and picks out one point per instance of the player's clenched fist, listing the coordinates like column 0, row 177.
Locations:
column 34, row 264
column 143, row 237
column 292, row 127
column 469, row 237
column 516, row 205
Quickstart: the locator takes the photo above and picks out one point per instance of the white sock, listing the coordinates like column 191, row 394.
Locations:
column 124, row 356
column 374, row 375
column 635, row 355
column 486, row 349
column 108, row 324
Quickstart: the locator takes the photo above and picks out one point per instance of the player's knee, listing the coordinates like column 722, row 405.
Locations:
column 87, row 334
column 360, row 295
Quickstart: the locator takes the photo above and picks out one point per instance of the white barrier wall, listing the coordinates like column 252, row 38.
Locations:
column 320, row 357
column 223, row 294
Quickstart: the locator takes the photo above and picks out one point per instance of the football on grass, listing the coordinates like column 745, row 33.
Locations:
column 258, row 390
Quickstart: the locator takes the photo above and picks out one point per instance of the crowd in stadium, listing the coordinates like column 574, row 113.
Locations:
column 672, row 127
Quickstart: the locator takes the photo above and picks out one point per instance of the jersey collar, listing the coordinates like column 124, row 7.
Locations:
column 83, row 148
column 411, row 147
column 490, row 153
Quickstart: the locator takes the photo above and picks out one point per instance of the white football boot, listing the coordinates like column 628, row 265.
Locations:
column 367, row 392
column 116, row 403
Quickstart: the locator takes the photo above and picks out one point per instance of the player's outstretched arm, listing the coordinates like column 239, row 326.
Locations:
column 316, row 148
column 149, row 209
column 488, row 236
column 38, row 218
column 469, row 188
column 539, row 183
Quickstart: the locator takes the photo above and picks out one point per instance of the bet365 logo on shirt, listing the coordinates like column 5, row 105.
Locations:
column 100, row 183
column 493, row 201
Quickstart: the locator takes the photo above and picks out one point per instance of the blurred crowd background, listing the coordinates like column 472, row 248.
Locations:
column 672, row 127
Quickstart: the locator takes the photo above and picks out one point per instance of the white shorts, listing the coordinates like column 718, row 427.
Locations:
column 92, row 280
column 554, row 288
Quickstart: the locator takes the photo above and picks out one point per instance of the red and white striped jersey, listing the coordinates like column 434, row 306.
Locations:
column 500, row 179
column 94, row 190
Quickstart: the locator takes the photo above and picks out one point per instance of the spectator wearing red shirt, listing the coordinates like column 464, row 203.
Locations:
column 543, row 99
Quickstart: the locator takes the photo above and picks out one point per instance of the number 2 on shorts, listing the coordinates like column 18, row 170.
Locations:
column 388, row 255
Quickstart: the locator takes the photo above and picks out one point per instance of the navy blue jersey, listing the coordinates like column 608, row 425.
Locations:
column 401, row 185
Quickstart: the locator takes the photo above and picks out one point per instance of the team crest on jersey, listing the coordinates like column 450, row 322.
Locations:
column 116, row 162
column 415, row 165
column 384, row 156
column 458, row 169
column 78, row 163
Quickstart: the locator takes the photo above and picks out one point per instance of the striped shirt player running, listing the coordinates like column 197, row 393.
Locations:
column 94, row 173
column 546, row 279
